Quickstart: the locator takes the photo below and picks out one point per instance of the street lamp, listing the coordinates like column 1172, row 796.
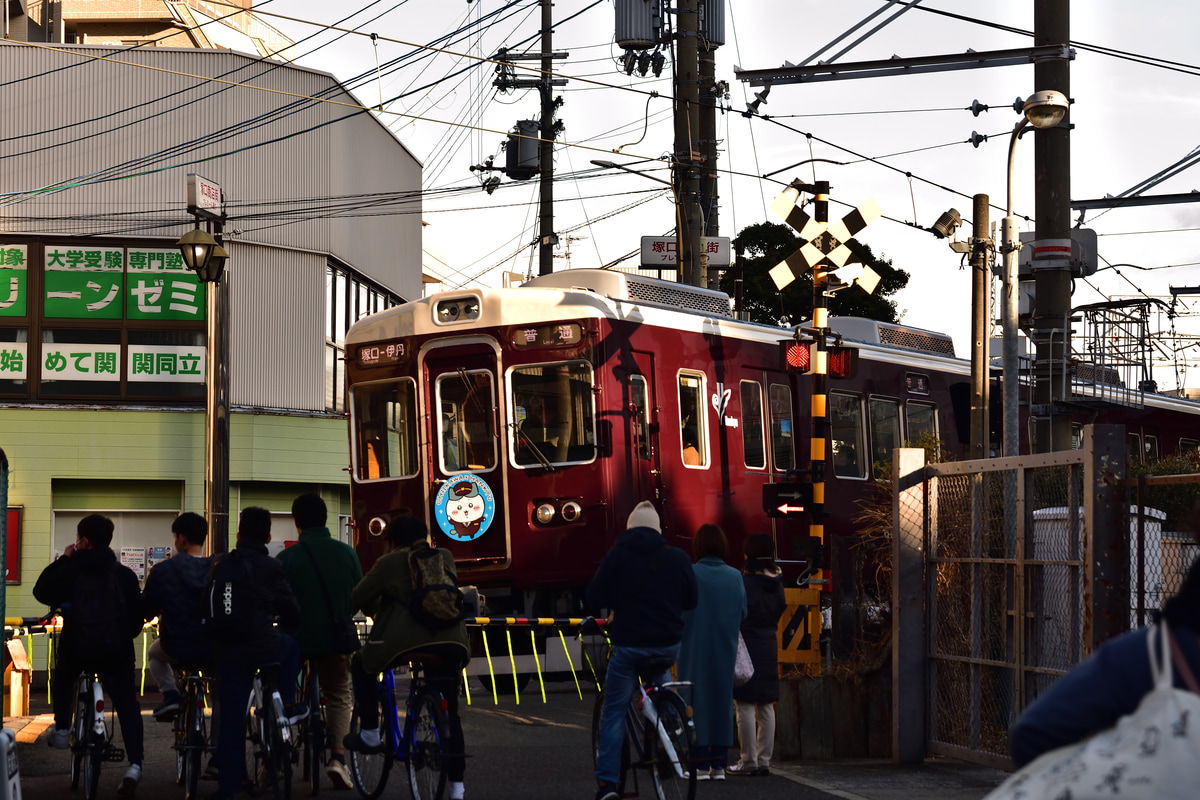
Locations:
column 203, row 255
column 1043, row 109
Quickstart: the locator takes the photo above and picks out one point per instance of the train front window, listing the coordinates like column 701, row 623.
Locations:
column 553, row 415
column 383, row 418
column 466, row 416
column 846, row 435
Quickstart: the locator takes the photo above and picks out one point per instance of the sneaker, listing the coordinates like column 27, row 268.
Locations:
column 704, row 775
column 59, row 738
column 169, row 707
column 296, row 713
column 457, row 790
column 718, row 773
column 129, row 783
column 608, row 791
column 741, row 769
column 338, row 774
column 354, row 741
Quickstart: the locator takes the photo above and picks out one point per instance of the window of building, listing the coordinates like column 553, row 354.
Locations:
column 693, row 420
column 783, row 434
column 383, row 417
column 753, row 445
column 885, row 430
column 846, row 435
column 347, row 299
column 553, row 414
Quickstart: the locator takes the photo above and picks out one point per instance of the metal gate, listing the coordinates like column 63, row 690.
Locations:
column 997, row 554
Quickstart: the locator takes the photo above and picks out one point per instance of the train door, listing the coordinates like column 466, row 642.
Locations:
column 643, row 431
column 466, row 488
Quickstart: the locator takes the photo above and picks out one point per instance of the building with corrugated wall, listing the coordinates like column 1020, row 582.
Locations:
column 102, row 330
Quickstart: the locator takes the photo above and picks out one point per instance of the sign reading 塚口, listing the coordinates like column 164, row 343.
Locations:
column 663, row 251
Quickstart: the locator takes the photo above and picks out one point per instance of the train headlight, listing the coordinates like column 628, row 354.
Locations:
column 571, row 511
column 464, row 309
column 545, row 513
column 376, row 526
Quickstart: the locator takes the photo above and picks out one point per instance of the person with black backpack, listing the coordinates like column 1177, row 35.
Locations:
column 392, row 594
column 101, row 607
column 246, row 591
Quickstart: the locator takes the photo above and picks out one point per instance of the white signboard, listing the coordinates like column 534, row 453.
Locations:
column 135, row 559
column 166, row 363
column 662, row 252
column 204, row 197
column 12, row 360
column 80, row 362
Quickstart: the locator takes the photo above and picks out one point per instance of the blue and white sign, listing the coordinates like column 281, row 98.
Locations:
column 464, row 507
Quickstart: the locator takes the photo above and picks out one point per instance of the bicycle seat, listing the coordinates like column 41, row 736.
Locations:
column 655, row 666
column 423, row 659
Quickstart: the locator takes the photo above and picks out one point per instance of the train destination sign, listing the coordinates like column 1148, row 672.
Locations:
column 381, row 354
column 548, row 335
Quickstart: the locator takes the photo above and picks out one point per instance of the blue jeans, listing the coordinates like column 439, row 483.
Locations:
column 619, row 686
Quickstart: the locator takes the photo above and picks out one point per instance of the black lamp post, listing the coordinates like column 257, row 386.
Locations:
column 204, row 255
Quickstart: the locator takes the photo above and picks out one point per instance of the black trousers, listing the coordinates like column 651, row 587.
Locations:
column 119, row 683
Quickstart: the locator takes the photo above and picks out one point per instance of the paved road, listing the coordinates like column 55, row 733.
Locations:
column 530, row 750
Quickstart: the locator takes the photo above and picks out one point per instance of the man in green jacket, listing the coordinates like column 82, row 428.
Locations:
column 385, row 595
column 322, row 571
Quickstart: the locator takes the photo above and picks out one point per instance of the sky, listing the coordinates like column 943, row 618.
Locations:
column 1131, row 120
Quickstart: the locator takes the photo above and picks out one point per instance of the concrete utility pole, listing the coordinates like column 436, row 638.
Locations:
column 980, row 327
column 546, row 236
column 687, row 139
column 708, row 149
column 1052, row 249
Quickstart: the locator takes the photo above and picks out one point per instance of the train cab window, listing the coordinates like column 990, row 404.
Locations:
column 1133, row 448
column 783, row 437
column 553, row 415
column 921, row 419
column 753, row 445
column 846, row 435
column 383, row 417
column 466, row 403
column 693, row 420
column 1150, row 449
column 641, row 417
column 885, row 429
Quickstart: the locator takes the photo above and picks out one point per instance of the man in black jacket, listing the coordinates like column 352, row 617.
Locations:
column 101, row 607
column 647, row 584
column 172, row 594
column 237, row 660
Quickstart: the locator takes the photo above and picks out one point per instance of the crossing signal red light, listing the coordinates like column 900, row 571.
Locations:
column 842, row 362
column 796, row 357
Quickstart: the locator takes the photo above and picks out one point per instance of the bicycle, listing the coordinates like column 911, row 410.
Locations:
column 419, row 742
column 269, row 735
column 314, row 730
column 91, row 736
column 191, row 730
column 660, row 737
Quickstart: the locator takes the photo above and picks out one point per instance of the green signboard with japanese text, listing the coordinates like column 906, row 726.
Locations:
column 84, row 282
column 14, row 281
column 161, row 287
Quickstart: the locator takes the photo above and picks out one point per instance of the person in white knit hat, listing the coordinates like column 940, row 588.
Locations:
column 647, row 585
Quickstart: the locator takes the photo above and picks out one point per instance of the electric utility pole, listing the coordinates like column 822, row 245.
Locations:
column 693, row 264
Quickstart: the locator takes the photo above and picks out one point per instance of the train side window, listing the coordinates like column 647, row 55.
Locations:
column 1189, row 446
column 466, row 412
column 693, row 420
column 554, row 418
column 1133, row 448
column 641, row 418
column 921, row 419
column 383, row 418
column 753, row 446
column 846, row 435
column 885, row 429
column 783, row 439
column 1151, row 449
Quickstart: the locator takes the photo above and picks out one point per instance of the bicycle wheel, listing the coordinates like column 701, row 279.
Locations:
column 426, row 733
column 623, row 771
column 674, row 747
column 369, row 771
column 194, row 739
column 79, row 729
column 281, row 757
column 313, row 736
column 92, row 760
column 252, row 747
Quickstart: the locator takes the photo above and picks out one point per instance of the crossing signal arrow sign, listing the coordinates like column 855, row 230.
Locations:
column 822, row 244
column 782, row 499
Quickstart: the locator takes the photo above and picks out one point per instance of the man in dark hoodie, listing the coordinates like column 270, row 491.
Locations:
column 101, row 607
column 172, row 594
column 647, row 585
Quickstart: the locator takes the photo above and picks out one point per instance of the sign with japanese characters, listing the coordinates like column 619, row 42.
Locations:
column 548, row 335
column 84, row 282
column 166, row 363
column 663, row 251
column 12, row 360
column 14, row 280
column 160, row 287
column 80, row 362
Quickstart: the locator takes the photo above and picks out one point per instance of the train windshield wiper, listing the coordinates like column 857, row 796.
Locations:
column 537, row 453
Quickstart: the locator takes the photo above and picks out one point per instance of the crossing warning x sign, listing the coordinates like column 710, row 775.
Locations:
column 799, row 630
column 821, row 244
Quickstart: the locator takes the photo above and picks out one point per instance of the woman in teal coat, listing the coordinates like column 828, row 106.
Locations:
column 709, row 648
